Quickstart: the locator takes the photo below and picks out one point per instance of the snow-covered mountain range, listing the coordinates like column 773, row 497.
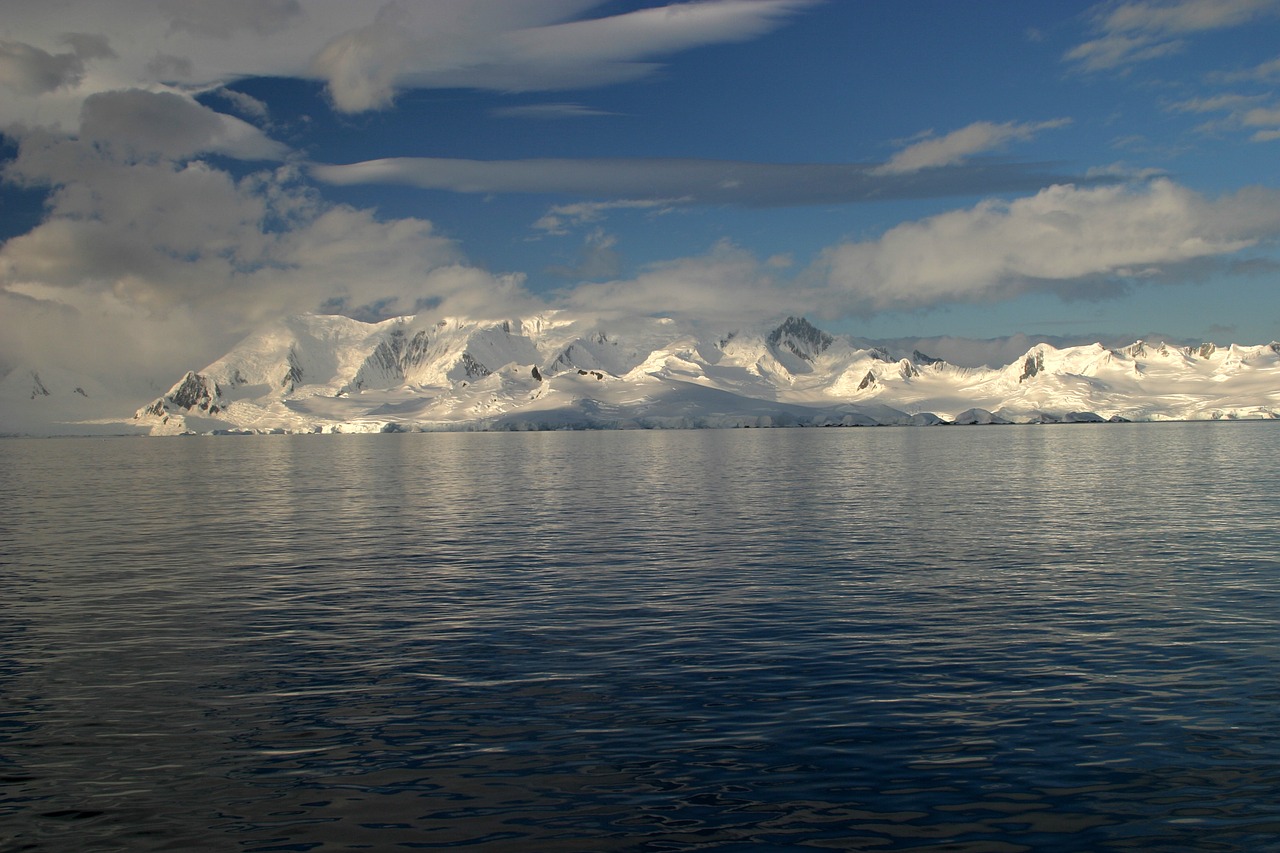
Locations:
column 316, row 373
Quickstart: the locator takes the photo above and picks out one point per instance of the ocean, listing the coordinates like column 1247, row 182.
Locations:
column 1021, row 638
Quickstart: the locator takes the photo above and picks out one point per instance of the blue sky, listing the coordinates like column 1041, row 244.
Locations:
column 179, row 171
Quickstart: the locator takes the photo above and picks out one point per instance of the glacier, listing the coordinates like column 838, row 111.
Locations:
column 324, row 373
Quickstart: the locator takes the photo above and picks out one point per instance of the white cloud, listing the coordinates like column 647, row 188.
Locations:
column 362, row 67
column 1064, row 238
column 1140, row 31
column 961, row 144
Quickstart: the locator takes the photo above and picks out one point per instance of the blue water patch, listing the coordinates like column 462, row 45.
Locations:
column 999, row 640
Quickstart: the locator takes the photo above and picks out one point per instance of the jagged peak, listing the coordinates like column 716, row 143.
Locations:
column 38, row 388
column 1032, row 364
column 881, row 354
column 801, row 337
column 194, row 391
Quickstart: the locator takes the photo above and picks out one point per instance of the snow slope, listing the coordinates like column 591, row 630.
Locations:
column 50, row 401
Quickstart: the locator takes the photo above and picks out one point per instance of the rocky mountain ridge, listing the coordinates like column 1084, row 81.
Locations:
column 320, row 373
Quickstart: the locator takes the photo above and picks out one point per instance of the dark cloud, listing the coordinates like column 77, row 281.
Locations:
column 224, row 18
column 142, row 123
column 89, row 45
column 29, row 70
column 164, row 66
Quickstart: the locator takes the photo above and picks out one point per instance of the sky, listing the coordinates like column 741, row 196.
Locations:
column 175, row 173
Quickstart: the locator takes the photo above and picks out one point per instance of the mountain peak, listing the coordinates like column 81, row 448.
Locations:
column 801, row 337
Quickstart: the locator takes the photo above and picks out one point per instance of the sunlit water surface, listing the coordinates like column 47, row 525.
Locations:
column 963, row 639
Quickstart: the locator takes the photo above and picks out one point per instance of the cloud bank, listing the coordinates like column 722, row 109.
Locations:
column 1076, row 242
column 144, row 264
column 1070, row 240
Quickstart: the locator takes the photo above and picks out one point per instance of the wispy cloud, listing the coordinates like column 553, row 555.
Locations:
column 959, row 145
column 688, row 181
column 1129, row 33
column 1267, row 118
column 547, row 111
column 524, row 47
column 1262, row 116
column 558, row 220
column 1242, row 111
column 1264, row 72
column 598, row 258
column 1216, row 103
column 364, row 53
column 245, row 104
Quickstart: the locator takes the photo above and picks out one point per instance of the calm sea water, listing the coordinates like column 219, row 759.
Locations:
column 963, row 639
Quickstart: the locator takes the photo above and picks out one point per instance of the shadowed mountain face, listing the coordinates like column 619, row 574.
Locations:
column 329, row 373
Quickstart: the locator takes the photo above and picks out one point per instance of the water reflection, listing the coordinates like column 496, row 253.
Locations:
column 986, row 639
